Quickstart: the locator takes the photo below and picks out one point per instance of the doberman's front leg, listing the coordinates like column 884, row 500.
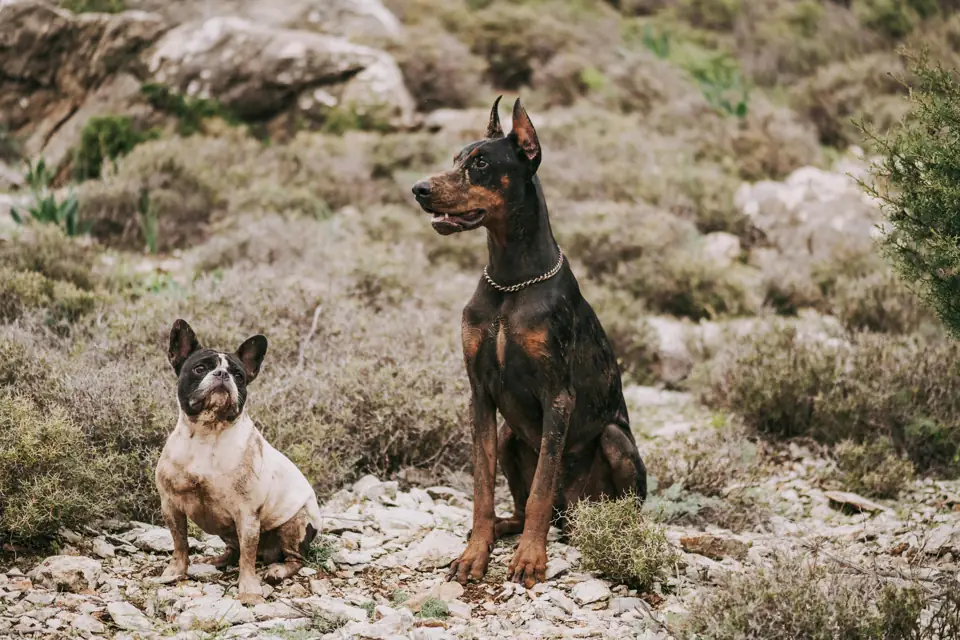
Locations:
column 529, row 564
column 473, row 563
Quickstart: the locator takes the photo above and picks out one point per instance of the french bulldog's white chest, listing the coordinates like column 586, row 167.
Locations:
column 201, row 471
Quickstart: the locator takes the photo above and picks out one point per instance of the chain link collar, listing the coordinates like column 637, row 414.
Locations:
column 524, row 285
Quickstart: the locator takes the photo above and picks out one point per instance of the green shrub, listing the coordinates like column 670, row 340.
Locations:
column 839, row 94
column 49, row 475
column 805, row 598
column 893, row 18
column 105, row 138
column 656, row 258
column 94, row 6
column 719, row 15
column 904, row 388
column 705, row 462
column 151, row 184
column 514, row 39
column 874, row 468
column 434, row 608
column 916, row 181
column 619, row 542
column 439, row 70
column 191, row 113
column 25, row 291
column 45, row 208
column 46, row 250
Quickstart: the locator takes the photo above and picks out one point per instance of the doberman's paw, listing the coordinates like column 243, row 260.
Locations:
column 472, row 563
column 529, row 564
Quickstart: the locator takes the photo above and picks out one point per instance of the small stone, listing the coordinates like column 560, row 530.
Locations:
column 18, row 583
column 319, row 587
column 436, row 550
column 159, row 540
column 201, row 570
column 306, row 572
column 622, row 605
column 562, row 601
column 395, row 521
column 555, row 567
column 103, row 549
column 590, row 591
column 43, row 599
column 70, row 536
column 352, row 557
column 68, row 573
column 846, row 500
column 715, row 547
column 268, row 610
column 128, row 617
column 209, row 610
column 297, row 590
column 459, row 609
column 448, row 591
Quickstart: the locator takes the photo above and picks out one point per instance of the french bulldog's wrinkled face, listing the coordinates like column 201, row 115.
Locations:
column 213, row 384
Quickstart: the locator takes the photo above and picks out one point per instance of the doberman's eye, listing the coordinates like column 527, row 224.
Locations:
column 480, row 163
column 199, row 369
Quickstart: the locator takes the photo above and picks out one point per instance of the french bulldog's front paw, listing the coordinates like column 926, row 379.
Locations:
column 174, row 571
column 251, row 593
column 277, row 573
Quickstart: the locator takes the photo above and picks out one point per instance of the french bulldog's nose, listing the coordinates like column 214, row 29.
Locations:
column 422, row 189
column 222, row 375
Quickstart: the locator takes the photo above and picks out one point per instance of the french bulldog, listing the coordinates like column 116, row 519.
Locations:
column 219, row 471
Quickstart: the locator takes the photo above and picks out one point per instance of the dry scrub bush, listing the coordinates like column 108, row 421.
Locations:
column 780, row 42
column 706, row 461
column 514, row 39
column 439, row 70
column 799, row 597
column 153, row 180
column 842, row 93
column 653, row 256
column 620, row 543
column 872, row 468
column 46, row 250
column 49, row 475
column 875, row 386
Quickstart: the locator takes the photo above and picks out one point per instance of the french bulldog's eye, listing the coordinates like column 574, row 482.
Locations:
column 199, row 369
column 481, row 163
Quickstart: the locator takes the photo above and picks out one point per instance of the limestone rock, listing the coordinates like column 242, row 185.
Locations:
column 68, row 573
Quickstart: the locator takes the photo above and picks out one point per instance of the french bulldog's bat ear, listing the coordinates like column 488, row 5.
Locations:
column 183, row 342
column 251, row 354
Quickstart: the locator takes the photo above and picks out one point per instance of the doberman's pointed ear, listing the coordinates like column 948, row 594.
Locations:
column 251, row 354
column 525, row 135
column 494, row 130
column 183, row 342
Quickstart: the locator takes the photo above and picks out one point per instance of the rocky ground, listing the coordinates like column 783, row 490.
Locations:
column 378, row 570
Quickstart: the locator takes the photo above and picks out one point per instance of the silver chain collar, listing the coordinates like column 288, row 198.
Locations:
column 523, row 285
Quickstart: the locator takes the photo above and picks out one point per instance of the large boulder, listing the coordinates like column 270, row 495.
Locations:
column 261, row 72
column 57, row 69
column 812, row 213
column 364, row 20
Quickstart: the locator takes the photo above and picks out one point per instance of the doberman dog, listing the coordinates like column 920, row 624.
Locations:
column 534, row 351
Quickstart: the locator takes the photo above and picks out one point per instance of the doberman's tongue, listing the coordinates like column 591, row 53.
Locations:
column 445, row 225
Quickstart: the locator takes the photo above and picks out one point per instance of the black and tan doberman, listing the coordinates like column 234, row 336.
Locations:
column 535, row 351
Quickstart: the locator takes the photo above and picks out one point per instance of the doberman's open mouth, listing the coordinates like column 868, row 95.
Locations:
column 447, row 223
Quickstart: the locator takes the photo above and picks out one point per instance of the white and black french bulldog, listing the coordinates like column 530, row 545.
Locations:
column 218, row 470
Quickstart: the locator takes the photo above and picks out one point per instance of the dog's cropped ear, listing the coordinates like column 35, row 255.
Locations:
column 183, row 342
column 251, row 354
column 525, row 136
column 494, row 130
